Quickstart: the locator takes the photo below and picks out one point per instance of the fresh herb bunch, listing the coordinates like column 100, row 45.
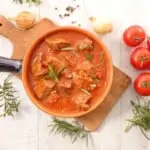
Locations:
column 9, row 102
column 74, row 131
column 141, row 117
column 36, row 2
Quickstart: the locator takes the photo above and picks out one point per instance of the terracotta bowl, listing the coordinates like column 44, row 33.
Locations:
column 37, row 101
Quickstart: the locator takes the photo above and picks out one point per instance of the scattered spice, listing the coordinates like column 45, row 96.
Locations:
column 78, row 6
column 73, row 22
column 79, row 25
column 60, row 16
column 70, row 9
column 56, row 8
column 66, row 15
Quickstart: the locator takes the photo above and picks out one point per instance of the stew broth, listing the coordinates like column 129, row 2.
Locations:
column 67, row 71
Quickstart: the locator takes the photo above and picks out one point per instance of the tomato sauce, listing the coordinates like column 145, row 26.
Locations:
column 67, row 71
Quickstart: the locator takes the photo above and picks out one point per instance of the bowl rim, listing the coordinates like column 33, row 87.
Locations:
column 28, row 88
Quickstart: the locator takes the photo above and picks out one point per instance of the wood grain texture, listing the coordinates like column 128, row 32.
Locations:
column 94, row 119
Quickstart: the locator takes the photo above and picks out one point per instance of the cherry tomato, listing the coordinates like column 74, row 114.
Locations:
column 142, row 84
column 134, row 35
column 140, row 58
column 148, row 43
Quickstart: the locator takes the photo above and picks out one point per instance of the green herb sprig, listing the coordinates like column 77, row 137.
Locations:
column 9, row 102
column 141, row 117
column 74, row 131
column 52, row 74
column 36, row 2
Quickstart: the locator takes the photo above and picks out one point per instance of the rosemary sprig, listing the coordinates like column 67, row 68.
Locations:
column 52, row 74
column 74, row 131
column 141, row 117
column 36, row 2
column 9, row 102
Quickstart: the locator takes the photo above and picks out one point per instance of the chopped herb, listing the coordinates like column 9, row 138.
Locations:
column 70, row 9
column 67, row 49
column 79, row 25
column 52, row 74
column 89, row 57
column 86, row 92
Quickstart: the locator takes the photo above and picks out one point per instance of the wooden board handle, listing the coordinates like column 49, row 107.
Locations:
column 8, row 30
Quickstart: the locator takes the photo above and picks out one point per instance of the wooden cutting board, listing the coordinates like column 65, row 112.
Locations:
column 22, row 40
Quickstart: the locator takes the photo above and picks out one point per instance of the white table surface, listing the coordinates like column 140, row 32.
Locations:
column 28, row 130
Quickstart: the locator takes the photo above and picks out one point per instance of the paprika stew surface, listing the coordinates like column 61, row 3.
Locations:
column 67, row 71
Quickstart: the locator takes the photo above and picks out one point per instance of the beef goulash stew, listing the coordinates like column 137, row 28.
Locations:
column 67, row 71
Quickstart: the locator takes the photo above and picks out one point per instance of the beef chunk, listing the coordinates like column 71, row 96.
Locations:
column 67, row 73
column 83, row 45
column 80, row 98
column 43, row 87
column 86, row 66
column 57, row 43
column 65, row 83
column 36, row 67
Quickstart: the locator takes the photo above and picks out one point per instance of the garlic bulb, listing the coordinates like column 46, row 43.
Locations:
column 25, row 20
column 101, row 26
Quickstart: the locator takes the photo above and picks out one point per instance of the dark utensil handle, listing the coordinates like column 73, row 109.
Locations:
column 10, row 65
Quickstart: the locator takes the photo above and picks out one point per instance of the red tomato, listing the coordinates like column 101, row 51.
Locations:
column 142, row 84
column 148, row 43
column 140, row 58
column 134, row 35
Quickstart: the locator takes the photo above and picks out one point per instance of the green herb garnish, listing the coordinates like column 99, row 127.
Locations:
column 36, row 2
column 52, row 74
column 9, row 102
column 74, row 131
column 141, row 117
column 89, row 57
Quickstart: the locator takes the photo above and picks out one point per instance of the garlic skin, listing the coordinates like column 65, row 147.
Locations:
column 25, row 20
column 101, row 26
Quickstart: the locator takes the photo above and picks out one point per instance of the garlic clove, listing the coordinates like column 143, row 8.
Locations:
column 25, row 20
column 101, row 26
